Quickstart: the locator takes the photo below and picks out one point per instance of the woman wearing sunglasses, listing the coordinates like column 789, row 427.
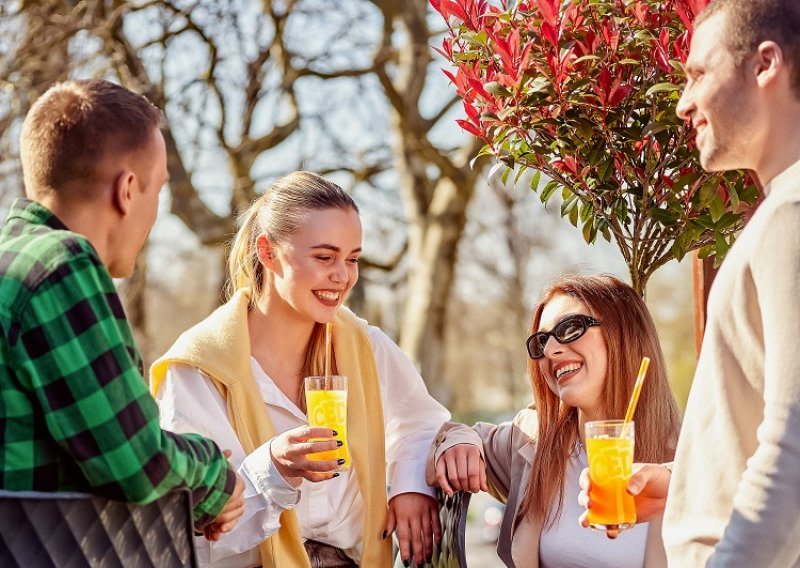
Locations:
column 589, row 334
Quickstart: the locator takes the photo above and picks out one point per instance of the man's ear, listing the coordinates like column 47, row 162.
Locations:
column 122, row 191
column 265, row 251
column 769, row 63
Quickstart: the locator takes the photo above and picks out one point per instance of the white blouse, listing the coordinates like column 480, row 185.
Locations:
column 566, row 544
column 329, row 511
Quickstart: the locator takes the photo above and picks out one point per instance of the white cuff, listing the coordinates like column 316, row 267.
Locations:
column 408, row 476
column 265, row 479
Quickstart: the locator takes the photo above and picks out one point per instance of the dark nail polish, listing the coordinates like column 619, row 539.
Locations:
column 341, row 461
column 420, row 565
column 335, row 475
column 339, row 443
column 384, row 535
column 429, row 559
column 406, row 563
column 335, row 433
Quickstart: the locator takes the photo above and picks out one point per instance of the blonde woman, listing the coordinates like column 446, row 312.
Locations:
column 237, row 377
column 588, row 337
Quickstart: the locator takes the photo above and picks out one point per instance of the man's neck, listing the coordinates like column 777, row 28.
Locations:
column 86, row 218
column 782, row 148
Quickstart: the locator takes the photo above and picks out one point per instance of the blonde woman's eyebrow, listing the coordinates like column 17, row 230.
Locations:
column 333, row 248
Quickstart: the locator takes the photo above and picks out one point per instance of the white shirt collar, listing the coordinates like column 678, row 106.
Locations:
column 271, row 394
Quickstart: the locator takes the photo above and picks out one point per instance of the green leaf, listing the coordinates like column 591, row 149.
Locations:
column 535, row 179
column 734, row 198
column 606, row 169
column 520, row 171
column 496, row 89
column 538, row 84
column 721, row 246
column 621, row 210
column 663, row 216
column 589, row 231
column 573, row 216
column 661, row 88
column 586, row 58
column 568, row 206
column 548, row 191
column 505, row 174
column 586, row 211
column 716, row 208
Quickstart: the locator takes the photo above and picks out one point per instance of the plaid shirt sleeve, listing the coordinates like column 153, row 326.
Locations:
column 76, row 350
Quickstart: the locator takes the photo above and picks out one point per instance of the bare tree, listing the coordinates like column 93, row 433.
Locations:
column 250, row 92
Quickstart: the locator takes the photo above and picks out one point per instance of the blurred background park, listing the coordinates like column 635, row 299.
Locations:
column 252, row 90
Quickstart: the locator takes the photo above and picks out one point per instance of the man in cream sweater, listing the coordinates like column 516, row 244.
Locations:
column 734, row 494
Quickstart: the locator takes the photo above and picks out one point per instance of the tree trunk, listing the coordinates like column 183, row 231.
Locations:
column 132, row 291
column 433, row 248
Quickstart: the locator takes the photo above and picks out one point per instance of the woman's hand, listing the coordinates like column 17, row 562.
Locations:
column 649, row 486
column 461, row 468
column 415, row 517
column 291, row 449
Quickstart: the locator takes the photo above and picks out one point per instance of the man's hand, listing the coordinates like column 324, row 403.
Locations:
column 230, row 514
column 416, row 518
column 649, row 486
column 461, row 468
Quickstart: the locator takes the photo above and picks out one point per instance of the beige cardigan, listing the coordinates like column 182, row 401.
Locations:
column 509, row 453
column 734, row 496
column 220, row 346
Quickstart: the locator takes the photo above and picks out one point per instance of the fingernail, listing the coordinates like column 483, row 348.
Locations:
column 335, row 433
column 335, row 475
column 341, row 461
column 339, row 443
column 406, row 563
column 429, row 558
column 384, row 535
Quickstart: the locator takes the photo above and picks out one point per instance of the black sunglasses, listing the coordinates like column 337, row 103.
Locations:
column 569, row 329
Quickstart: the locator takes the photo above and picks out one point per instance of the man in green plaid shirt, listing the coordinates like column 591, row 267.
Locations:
column 75, row 412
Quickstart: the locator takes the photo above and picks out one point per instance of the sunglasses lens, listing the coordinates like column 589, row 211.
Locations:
column 570, row 329
column 536, row 343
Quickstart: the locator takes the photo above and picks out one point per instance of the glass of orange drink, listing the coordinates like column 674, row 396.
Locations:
column 326, row 401
column 609, row 447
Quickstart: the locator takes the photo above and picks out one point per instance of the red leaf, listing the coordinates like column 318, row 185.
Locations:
column 641, row 11
column 472, row 113
column 684, row 16
column 447, row 49
column 549, row 11
column 450, row 8
column 549, row 33
column 469, row 127
column 618, row 94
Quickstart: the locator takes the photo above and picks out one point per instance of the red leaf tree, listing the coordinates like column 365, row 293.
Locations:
column 584, row 92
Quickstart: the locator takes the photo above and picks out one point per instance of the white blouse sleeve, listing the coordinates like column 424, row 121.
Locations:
column 411, row 417
column 189, row 402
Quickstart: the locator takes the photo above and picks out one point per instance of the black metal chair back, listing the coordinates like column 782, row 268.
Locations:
column 76, row 530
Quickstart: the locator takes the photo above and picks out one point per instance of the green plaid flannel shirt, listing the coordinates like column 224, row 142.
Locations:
column 75, row 412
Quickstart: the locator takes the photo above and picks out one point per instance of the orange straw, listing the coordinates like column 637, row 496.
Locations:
column 637, row 388
column 328, row 326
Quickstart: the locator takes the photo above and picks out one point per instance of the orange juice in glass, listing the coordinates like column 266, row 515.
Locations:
column 326, row 401
column 609, row 447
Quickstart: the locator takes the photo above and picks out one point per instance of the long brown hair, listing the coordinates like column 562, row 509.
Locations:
column 278, row 213
column 629, row 334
